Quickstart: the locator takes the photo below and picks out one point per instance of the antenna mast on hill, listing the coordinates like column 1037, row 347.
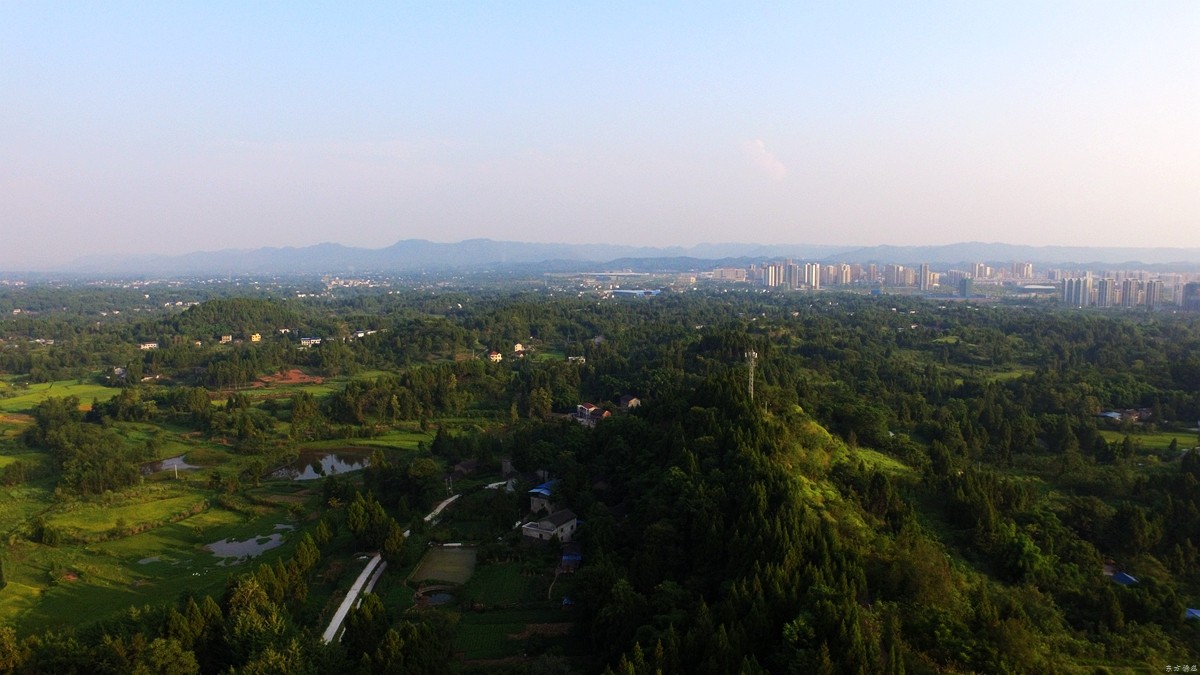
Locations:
column 752, row 356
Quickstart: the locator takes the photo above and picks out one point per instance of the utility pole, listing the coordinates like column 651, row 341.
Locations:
column 751, row 356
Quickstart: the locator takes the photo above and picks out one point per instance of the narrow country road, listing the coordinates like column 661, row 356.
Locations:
column 352, row 595
column 340, row 615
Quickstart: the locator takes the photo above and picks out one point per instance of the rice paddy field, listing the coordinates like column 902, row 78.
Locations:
column 144, row 544
column 49, row 586
column 172, row 533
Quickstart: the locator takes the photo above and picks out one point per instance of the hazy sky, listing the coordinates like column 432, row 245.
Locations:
column 167, row 127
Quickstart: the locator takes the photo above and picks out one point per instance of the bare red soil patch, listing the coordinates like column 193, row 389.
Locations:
column 293, row 376
column 15, row 418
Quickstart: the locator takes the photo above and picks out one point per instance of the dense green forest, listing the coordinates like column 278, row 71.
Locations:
column 813, row 483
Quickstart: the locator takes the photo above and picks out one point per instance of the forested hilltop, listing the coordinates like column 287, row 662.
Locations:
column 756, row 482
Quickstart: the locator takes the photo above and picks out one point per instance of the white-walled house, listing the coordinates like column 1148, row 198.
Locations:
column 559, row 524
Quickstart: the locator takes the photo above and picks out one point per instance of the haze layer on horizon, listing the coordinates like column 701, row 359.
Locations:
column 174, row 127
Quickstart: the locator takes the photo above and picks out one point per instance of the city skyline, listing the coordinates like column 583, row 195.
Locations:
column 133, row 129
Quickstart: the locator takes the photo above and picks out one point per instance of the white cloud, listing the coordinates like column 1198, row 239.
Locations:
column 764, row 160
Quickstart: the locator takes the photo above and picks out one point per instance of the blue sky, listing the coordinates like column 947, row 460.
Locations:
column 172, row 127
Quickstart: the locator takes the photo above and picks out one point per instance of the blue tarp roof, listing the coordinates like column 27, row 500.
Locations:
column 545, row 488
column 1192, row 614
column 1124, row 579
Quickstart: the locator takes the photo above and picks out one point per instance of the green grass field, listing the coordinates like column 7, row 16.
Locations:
column 1010, row 374
column 452, row 565
column 885, row 463
column 492, row 634
column 542, row 355
column 1155, row 442
column 21, row 503
column 499, row 584
column 399, row 439
column 488, row 640
column 26, row 399
column 90, row 520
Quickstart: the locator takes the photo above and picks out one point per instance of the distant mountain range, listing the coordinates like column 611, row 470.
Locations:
column 417, row 255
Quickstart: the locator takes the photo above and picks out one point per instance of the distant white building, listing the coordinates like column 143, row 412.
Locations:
column 559, row 524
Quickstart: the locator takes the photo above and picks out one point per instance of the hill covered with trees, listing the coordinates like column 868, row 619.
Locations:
column 812, row 483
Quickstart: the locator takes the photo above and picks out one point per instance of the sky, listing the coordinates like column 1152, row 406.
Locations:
column 170, row 127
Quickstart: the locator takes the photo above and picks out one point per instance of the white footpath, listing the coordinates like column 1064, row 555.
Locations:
column 374, row 579
column 340, row 615
column 353, row 594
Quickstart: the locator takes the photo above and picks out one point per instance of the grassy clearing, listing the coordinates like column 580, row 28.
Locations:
column 488, row 641
column 167, row 443
column 398, row 439
column 452, row 565
column 94, row 521
column 493, row 634
column 1010, row 374
column 26, row 399
column 21, row 503
column 499, row 584
column 369, row 375
column 885, row 463
column 287, row 390
column 1155, row 442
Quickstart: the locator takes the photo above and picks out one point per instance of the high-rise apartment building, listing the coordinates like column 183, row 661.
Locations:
column 1154, row 293
column 1022, row 270
column 812, row 275
column 1131, row 293
column 1077, row 291
column 1106, row 293
column 791, row 275
column 1190, row 298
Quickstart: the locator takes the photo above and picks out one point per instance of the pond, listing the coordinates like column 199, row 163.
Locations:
column 439, row 598
column 312, row 464
column 234, row 552
column 169, row 464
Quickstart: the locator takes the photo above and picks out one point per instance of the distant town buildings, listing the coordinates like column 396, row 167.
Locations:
column 1190, row 300
column 1077, row 291
column 1128, row 289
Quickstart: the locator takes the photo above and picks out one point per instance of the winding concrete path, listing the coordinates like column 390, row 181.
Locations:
column 340, row 615
column 367, row 579
column 374, row 580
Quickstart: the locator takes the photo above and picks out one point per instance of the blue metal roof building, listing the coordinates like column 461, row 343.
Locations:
column 1124, row 579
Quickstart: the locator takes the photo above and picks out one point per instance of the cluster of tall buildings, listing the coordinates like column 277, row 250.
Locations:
column 1128, row 292
column 1127, row 289
column 814, row 276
